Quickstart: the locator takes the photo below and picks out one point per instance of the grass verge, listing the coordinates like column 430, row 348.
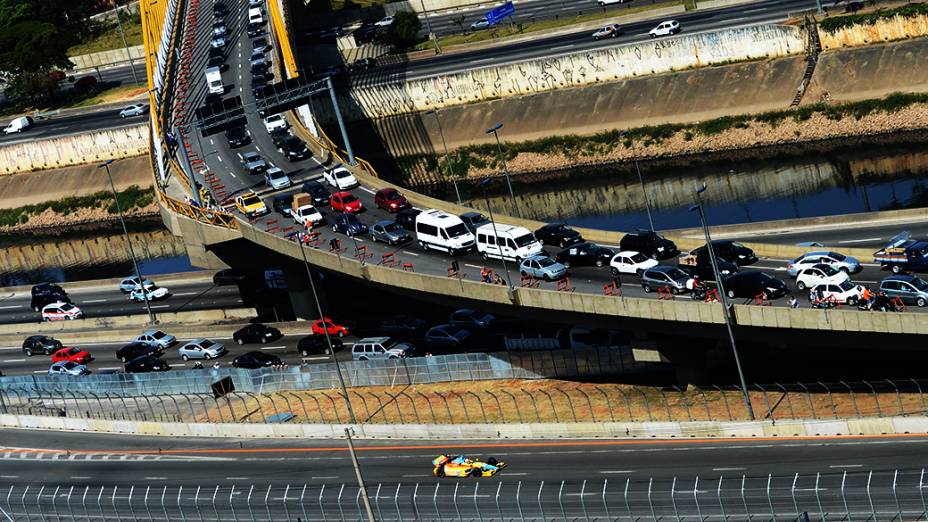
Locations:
column 73, row 99
column 835, row 23
column 107, row 37
column 504, row 30
column 133, row 197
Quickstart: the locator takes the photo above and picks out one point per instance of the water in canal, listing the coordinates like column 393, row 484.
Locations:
column 841, row 181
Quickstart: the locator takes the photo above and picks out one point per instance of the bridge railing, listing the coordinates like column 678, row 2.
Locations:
column 859, row 495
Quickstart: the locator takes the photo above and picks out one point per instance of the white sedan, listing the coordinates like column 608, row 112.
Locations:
column 153, row 293
column 384, row 22
column 631, row 262
column 61, row 311
column 136, row 109
column 340, row 178
column 667, row 28
column 820, row 274
column 845, row 292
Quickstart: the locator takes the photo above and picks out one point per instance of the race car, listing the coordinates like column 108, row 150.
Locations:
column 461, row 466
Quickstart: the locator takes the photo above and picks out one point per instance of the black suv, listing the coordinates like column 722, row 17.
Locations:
column 135, row 350
column 147, row 364
column 558, row 234
column 727, row 250
column 40, row 344
column 317, row 191
column 649, row 243
column 238, row 137
column 406, row 218
column 283, row 203
column 254, row 30
column 47, row 293
column 292, row 147
column 256, row 333
column 316, row 344
column 584, row 254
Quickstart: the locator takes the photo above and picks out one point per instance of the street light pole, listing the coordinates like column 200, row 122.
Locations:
column 647, row 201
column 499, row 150
column 357, row 473
column 428, row 25
column 486, row 181
column 106, row 165
column 723, row 299
column 447, row 156
column 328, row 339
column 125, row 43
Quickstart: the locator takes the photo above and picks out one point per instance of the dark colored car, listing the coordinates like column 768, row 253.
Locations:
column 649, row 243
column 283, row 203
column 47, row 293
column 40, row 344
column 254, row 30
column 703, row 269
column 584, row 254
column 258, row 83
column 317, row 345
column 229, row 276
column 216, row 60
column 318, row 192
column 468, row 318
column 390, row 200
column 220, row 10
column 292, row 147
column 473, row 220
column 147, row 364
column 134, row 350
column 256, row 333
column 238, row 137
column 446, row 336
column 348, row 224
column 558, row 234
column 727, row 250
column 364, row 64
column 406, row 218
column 402, row 326
column 255, row 360
column 752, row 283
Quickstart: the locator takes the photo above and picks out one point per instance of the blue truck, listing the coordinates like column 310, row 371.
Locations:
column 903, row 254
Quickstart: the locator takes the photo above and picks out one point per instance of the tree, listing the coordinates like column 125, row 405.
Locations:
column 34, row 39
column 403, row 33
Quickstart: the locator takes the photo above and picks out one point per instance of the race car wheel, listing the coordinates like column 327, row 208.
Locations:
column 476, row 473
column 492, row 461
column 439, row 472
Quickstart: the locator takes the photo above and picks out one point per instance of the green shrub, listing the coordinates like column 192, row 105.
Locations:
column 132, row 198
column 836, row 23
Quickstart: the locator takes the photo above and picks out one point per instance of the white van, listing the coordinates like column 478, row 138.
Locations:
column 439, row 230
column 214, row 80
column 507, row 241
column 18, row 125
column 255, row 16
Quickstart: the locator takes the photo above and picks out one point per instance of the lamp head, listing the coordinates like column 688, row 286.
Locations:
column 700, row 189
column 104, row 164
column 485, row 182
column 495, row 128
column 694, row 208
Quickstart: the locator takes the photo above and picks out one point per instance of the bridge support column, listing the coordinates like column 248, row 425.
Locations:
column 693, row 360
column 300, row 292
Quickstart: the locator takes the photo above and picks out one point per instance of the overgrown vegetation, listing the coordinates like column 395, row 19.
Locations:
column 403, row 33
column 104, row 36
column 133, row 197
column 835, row 23
column 485, row 155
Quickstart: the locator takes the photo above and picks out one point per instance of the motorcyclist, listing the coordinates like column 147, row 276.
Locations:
column 198, row 365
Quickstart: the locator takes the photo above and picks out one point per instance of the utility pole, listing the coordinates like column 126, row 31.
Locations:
column 444, row 144
column 499, row 150
column 357, row 473
column 484, row 184
column 125, row 43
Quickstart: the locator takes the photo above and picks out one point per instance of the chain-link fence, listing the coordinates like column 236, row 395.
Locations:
column 507, row 401
column 595, row 362
column 889, row 495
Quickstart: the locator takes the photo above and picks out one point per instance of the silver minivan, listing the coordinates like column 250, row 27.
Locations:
column 380, row 348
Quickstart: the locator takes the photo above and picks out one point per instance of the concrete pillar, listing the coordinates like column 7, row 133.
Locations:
column 300, row 293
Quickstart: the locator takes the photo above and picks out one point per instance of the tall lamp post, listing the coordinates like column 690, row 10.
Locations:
column 447, row 156
column 106, row 165
column 723, row 298
column 647, row 200
column 499, row 150
column 484, row 184
column 125, row 43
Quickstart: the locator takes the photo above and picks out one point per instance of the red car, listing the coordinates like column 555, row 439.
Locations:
column 71, row 354
column 332, row 328
column 390, row 200
column 346, row 202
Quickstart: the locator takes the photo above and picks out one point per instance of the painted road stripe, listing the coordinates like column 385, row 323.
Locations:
column 324, row 478
column 161, row 306
column 273, row 347
column 185, row 294
column 94, row 301
column 81, row 477
column 838, row 466
column 859, row 240
column 13, row 360
column 236, row 478
column 728, row 469
column 10, row 307
column 156, row 478
column 617, row 471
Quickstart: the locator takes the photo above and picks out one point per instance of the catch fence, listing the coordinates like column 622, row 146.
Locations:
column 888, row 495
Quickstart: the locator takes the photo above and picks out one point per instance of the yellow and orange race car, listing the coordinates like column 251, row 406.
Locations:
column 461, row 466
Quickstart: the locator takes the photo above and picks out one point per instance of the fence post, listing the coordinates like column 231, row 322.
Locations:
column 499, row 407
column 744, row 500
column 338, row 500
column 477, row 506
column 428, row 401
column 628, row 404
column 26, row 510
column 586, row 515
column 560, row 500
column 876, row 399
column 180, row 509
column 870, row 497
column 412, row 406
column 792, row 492
column 666, row 404
column 766, row 400
column 589, row 405
column 231, row 502
column 921, row 397
column 831, row 400
column 286, row 498
column 557, row 418
column 696, row 498
column 705, row 403
column 647, row 405
column 651, row 503
column 570, row 404
column 789, row 402
column 519, row 502
column 628, row 507
column 896, row 496
column 480, row 402
column 853, row 397
column 898, row 397
column 921, row 492
column 818, row 499
column 499, row 509
column 68, row 502
column 267, row 504
column 847, row 510
column 396, row 500
column 673, row 498
column 608, row 402
column 534, row 405
column 718, row 493
column 540, row 507
column 515, row 405
column 773, row 512
column 809, row 399
column 686, row 404
column 454, row 498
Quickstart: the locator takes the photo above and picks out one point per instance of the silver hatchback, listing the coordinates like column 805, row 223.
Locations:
column 663, row 277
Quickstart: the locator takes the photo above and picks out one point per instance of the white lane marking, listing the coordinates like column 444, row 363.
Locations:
column 274, row 348
column 40, row 371
column 156, row 478
column 80, row 477
column 233, row 174
column 838, row 466
column 219, row 158
column 110, row 368
column 618, row 471
column 185, row 294
column 9, row 476
column 858, row 240
column 13, row 360
column 416, row 476
column 10, row 307
column 211, row 142
column 258, row 149
column 161, row 306
column 571, row 46
column 728, row 469
column 365, row 189
column 317, row 358
column 236, row 478
column 472, row 266
column 516, row 474
column 324, row 478
column 413, row 254
column 94, row 301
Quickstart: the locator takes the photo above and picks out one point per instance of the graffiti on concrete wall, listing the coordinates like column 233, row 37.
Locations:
column 577, row 69
column 76, row 149
column 884, row 30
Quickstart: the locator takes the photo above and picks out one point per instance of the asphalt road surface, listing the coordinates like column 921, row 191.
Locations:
column 767, row 11
column 861, row 235
column 543, row 479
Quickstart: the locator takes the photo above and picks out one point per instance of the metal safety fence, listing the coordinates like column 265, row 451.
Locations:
column 485, row 402
column 885, row 495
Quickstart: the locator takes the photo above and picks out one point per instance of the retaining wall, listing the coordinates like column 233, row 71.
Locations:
column 884, row 30
column 75, row 149
column 867, row 426
column 103, row 58
column 576, row 70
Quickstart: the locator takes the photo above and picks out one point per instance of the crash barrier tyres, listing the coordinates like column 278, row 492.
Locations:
column 573, row 70
column 75, row 149
column 883, row 30
column 103, row 58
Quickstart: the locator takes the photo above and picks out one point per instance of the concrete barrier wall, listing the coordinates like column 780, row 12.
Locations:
column 868, row 426
column 89, row 61
column 76, row 149
column 884, row 30
column 577, row 69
